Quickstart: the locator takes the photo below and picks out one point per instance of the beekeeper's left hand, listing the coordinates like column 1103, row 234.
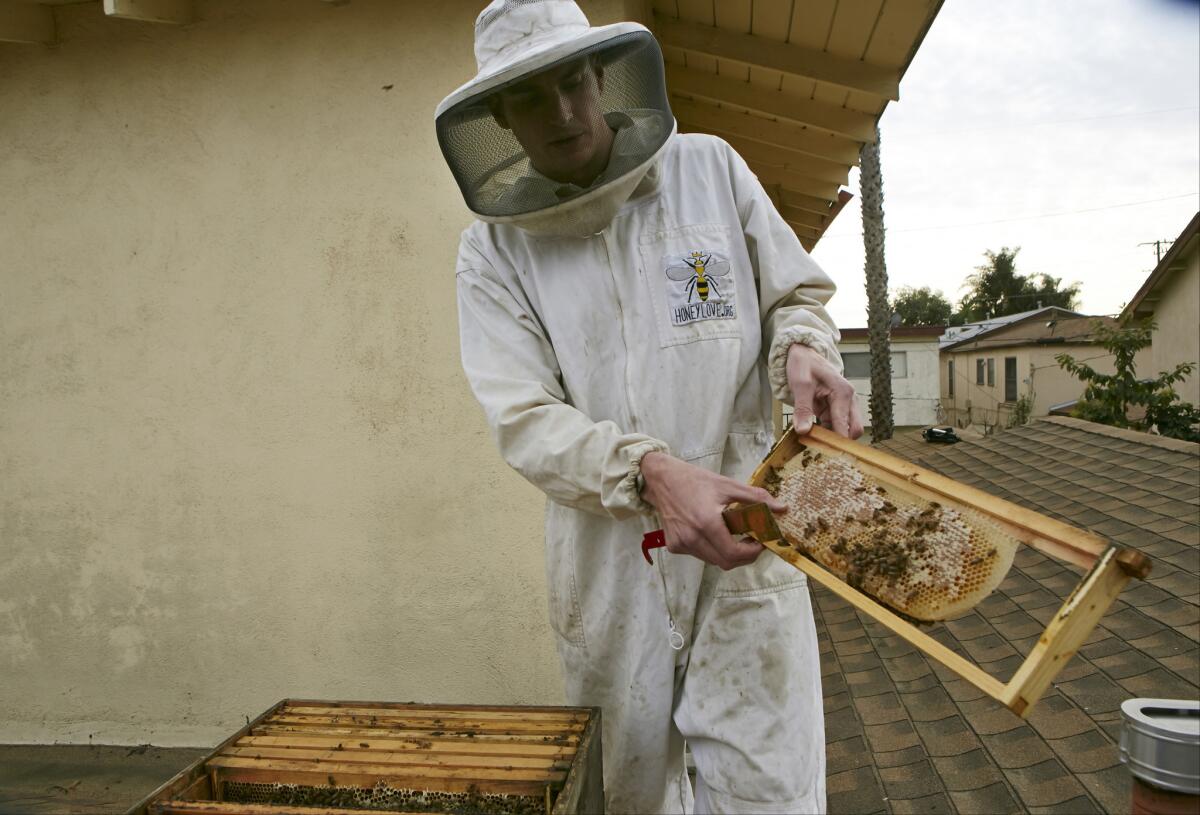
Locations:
column 820, row 392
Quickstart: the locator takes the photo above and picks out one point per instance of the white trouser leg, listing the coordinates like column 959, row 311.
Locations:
column 750, row 706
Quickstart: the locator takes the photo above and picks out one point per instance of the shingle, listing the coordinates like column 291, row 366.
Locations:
column 1079, row 805
column 1003, row 669
column 1173, row 612
column 968, row 626
column 892, row 647
column 868, row 683
column 920, row 684
column 1159, row 683
column 1110, row 787
column 910, row 781
column 1063, row 583
column 1171, row 579
column 947, row 737
column 841, row 725
column 855, row 663
column 849, row 630
column 859, row 645
column 1129, row 624
column 1140, row 593
column 881, row 709
column 1044, row 784
column 1054, row 717
column 846, row 754
column 934, row 804
column 1077, row 667
column 1095, row 693
column 1017, row 625
column 990, row 648
column 969, row 770
column 894, row 736
column 1018, row 747
column 1186, row 664
column 1035, row 600
column 929, row 706
column 1122, row 664
column 836, row 701
column 833, row 684
column 1103, row 647
column 900, row 758
column 1086, row 752
column 836, row 610
column 988, row 717
column 907, row 668
column 996, row 605
column 1187, row 559
column 856, row 790
column 961, row 690
column 995, row 799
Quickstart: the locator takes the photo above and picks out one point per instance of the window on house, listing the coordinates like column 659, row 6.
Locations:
column 991, row 372
column 979, row 371
column 1010, row 379
column 950, row 379
column 857, row 364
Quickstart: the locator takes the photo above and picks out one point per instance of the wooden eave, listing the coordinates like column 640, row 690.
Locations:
column 1175, row 260
column 795, row 86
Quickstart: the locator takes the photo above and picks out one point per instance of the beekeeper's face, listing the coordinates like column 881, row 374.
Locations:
column 557, row 118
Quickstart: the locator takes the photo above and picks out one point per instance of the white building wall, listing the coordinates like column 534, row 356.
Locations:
column 915, row 395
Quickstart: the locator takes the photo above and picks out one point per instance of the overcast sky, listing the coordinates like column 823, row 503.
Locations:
column 1070, row 129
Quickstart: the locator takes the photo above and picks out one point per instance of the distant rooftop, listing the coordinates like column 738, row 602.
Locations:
column 961, row 333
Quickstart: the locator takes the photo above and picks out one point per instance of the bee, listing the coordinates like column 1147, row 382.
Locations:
column 699, row 270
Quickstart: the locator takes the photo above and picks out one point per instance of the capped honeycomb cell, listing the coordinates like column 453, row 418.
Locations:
column 924, row 559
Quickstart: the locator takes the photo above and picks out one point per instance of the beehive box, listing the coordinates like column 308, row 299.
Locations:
column 346, row 758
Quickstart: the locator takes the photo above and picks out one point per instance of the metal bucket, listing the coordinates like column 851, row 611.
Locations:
column 1160, row 743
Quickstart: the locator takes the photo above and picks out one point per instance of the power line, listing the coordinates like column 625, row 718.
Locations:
column 1048, row 122
column 1020, row 218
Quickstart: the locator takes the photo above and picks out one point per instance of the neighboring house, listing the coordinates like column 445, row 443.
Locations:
column 991, row 370
column 904, row 734
column 1171, row 296
column 914, row 372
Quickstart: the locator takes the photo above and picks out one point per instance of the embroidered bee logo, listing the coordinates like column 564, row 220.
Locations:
column 699, row 270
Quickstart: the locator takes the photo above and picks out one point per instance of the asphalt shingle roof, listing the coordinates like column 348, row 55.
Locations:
column 905, row 734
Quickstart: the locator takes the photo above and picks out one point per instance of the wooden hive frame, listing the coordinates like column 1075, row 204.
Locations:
column 551, row 753
column 1109, row 567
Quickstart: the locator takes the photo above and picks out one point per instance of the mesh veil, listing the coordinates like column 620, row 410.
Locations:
column 496, row 177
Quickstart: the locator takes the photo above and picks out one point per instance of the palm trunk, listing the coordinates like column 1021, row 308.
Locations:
column 879, row 313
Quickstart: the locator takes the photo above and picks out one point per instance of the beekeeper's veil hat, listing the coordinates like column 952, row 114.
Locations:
column 516, row 40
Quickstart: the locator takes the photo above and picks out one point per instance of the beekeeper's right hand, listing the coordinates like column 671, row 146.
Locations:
column 689, row 501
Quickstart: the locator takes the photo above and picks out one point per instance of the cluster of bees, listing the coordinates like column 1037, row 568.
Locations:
column 383, row 798
column 926, row 561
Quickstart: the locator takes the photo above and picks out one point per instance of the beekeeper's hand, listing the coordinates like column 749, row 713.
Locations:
column 689, row 501
column 820, row 392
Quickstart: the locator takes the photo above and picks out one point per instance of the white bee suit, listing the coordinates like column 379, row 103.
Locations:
column 586, row 355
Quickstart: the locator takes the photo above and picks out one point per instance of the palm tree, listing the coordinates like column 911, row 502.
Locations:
column 879, row 312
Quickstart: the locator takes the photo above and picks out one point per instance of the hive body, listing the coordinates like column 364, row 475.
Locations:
column 923, row 558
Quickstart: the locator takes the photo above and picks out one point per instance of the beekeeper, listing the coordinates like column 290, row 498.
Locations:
column 628, row 300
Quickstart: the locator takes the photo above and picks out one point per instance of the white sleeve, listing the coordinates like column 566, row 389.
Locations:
column 792, row 289
column 514, row 373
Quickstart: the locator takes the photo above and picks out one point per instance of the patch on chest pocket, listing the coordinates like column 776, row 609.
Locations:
column 699, row 286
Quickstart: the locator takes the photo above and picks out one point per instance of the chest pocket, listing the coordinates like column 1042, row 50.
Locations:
column 692, row 277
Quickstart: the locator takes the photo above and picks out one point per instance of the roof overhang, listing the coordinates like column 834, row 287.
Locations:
column 797, row 88
column 1175, row 260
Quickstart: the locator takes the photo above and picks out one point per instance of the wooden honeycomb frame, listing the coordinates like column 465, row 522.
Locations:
column 543, row 754
column 1109, row 567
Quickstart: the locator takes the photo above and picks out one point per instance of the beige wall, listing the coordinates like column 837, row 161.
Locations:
column 239, row 459
column 1177, row 314
column 984, row 406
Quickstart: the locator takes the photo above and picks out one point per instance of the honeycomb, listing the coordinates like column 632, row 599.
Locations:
column 925, row 560
column 383, row 798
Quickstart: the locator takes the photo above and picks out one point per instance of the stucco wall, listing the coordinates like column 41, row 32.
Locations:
column 914, row 396
column 1177, row 338
column 1038, row 373
column 239, row 459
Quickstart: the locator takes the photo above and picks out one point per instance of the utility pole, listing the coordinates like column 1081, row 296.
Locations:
column 1158, row 247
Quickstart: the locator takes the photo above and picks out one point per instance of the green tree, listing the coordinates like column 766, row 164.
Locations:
column 997, row 289
column 1108, row 398
column 922, row 306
